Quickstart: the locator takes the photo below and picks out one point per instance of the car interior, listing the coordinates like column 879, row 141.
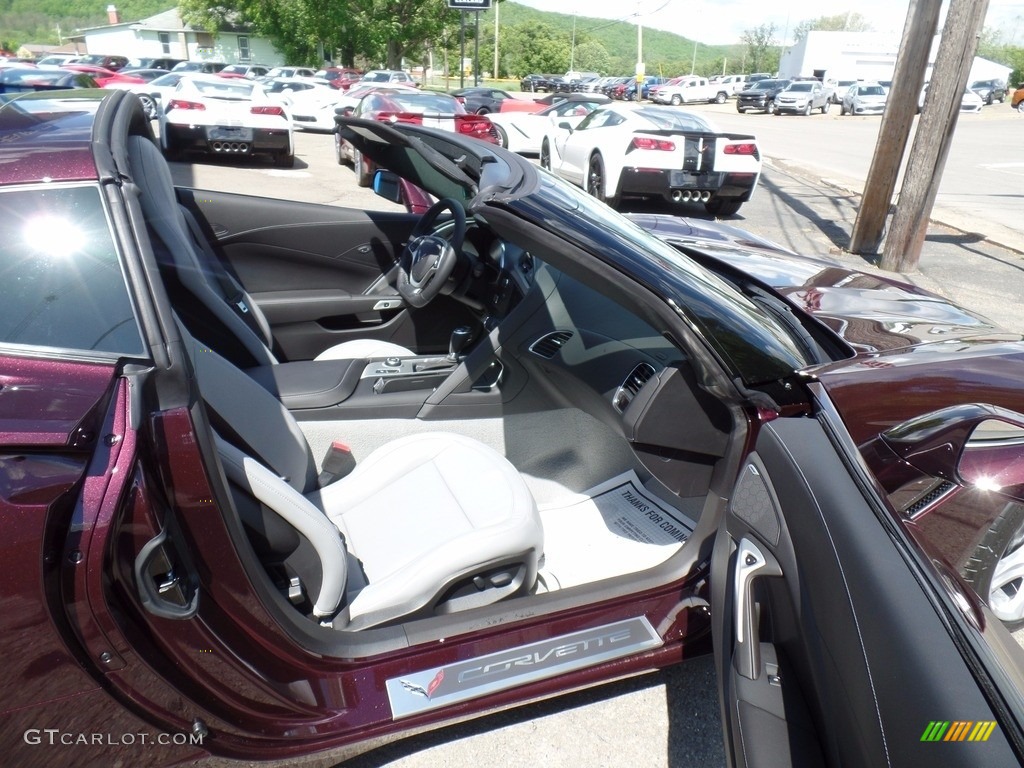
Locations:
column 543, row 455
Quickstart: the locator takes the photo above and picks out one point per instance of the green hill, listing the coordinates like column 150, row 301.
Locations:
column 664, row 53
column 38, row 21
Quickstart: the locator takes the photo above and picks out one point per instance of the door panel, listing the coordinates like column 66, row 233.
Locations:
column 319, row 273
column 852, row 659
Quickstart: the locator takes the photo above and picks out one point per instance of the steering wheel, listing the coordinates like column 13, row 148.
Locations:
column 428, row 260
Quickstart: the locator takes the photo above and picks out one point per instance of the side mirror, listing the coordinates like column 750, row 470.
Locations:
column 387, row 185
column 973, row 444
column 565, row 125
column 993, row 458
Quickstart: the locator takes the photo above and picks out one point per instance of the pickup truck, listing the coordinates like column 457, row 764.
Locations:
column 693, row 89
column 801, row 97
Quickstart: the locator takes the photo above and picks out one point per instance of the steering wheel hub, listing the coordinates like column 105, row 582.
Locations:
column 429, row 258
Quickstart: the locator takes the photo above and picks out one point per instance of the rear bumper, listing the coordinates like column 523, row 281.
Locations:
column 675, row 185
column 263, row 141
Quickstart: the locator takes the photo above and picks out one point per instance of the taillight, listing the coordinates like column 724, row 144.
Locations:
column 182, row 104
column 400, row 117
column 647, row 142
column 475, row 126
column 740, row 149
column 271, row 110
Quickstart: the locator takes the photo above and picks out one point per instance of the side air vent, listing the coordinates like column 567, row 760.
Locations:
column 548, row 346
column 634, row 383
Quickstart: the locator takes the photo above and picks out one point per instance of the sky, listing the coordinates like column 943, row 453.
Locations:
column 723, row 21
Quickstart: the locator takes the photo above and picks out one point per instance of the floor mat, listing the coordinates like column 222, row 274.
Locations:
column 614, row 528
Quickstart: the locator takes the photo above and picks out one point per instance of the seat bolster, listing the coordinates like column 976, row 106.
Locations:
column 302, row 514
column 452, row 506
column 364, row 349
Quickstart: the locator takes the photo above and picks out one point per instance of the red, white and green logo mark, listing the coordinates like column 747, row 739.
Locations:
column 958, row 730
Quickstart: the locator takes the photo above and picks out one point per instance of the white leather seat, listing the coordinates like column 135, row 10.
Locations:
column 204, row 276
column 428, row 523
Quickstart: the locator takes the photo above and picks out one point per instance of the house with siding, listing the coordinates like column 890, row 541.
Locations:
column 165, row 34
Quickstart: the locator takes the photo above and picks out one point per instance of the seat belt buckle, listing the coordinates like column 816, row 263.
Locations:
column 338, row 462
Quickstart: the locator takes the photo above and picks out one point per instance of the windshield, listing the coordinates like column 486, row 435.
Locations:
column 767, row 85
column 673, row 120
column 751, row 342
column 800, row 87
column 871, row 90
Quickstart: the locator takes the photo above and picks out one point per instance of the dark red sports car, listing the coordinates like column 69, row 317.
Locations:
column 283, row 480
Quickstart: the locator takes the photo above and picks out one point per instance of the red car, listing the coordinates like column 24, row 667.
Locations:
column 341, row 78
column 103, row 76
column 430, row 108
column 573, row 451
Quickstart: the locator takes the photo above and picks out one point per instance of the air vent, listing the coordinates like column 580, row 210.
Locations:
column 634, row 383
column 939, row 490
column 548, row 346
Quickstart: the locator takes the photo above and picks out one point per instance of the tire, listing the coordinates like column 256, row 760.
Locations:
column 284, row 159
column 720, row 208
column 807, row 109
column 483, row 111
column 337, row 149
column 740, row 109
column 362, row 172
column 148, row 105
column 1020, row 106
column 769, row 106
column 597, row 181
column 989, row 100
column 842, row 109
column 676, row 100
column 990, row 570
column 826, row 107
column 545, row 155
column 502, row 136
column 721, row 97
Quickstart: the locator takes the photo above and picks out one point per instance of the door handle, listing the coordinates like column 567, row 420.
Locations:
column 751, row 564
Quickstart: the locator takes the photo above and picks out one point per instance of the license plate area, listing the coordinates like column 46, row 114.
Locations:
column 229, row 133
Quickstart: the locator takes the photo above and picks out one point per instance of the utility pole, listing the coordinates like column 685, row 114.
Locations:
column 964, row 20
column 897, row 120
column 497, row 18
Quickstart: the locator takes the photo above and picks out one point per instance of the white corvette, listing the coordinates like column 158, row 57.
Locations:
column 522, row 132
column 649, row 151
column 225, row 116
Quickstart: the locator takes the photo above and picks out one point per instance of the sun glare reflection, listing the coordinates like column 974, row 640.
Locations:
column 52, row 236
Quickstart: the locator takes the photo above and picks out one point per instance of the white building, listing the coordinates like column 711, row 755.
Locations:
column 863, row 56
column 167, row 35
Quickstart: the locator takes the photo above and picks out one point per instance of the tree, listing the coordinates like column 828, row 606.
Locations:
column 380, row 31
column 841, row 22
column 534, row 47
column 762, row 48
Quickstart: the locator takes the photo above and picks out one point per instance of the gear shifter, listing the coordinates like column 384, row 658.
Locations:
column 460, row 338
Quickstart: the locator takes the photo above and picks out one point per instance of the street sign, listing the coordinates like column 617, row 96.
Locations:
column 470, row 5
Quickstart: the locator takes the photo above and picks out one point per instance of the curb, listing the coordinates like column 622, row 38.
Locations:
column 939, row 216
